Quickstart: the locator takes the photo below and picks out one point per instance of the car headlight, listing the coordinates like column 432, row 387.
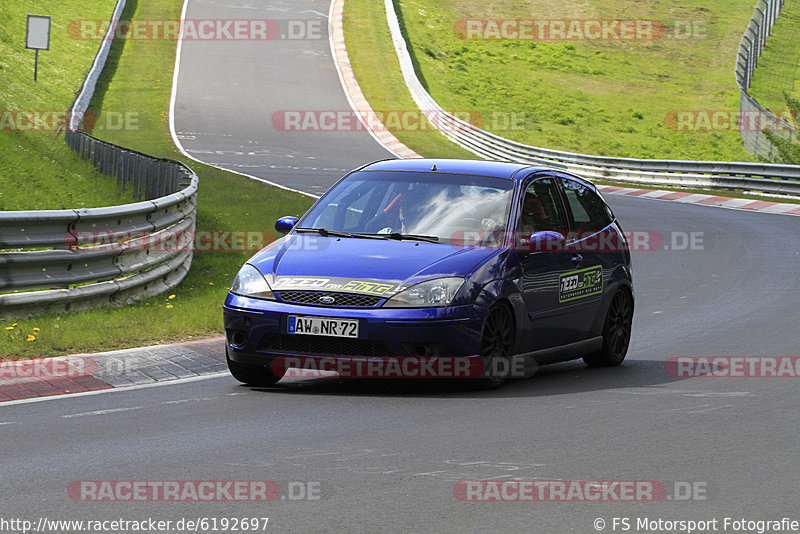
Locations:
column 249, row 282
column 431, row 294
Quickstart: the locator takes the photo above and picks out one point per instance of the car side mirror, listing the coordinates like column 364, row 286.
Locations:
column 547, row 241
column 285, row 224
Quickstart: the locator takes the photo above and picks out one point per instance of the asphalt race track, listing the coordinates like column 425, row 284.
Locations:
column 385, row 456
column 229, row 92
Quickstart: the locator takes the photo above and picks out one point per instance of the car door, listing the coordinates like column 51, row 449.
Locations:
column 590, row 243
column 550, row 323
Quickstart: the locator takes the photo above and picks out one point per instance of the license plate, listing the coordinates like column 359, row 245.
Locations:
column 322, row 326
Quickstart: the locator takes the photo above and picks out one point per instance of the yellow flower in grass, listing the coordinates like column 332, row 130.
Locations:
column 30, row 337
column 169, row 306
column 171, row 297
column 9, row 328
column 35, row 329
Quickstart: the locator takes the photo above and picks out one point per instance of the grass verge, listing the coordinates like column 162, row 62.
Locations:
column 39, row 170
column 137, row 83
column 372, row 55
column 598, row 97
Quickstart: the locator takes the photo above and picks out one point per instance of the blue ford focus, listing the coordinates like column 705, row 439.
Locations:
column 420, row 267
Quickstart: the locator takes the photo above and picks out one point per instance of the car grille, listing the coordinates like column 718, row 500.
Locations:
column 342, row 300
column 322, row 345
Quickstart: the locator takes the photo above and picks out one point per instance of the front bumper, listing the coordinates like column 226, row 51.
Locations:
column 256, row 332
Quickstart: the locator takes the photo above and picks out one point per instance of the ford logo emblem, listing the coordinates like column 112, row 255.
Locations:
column 327, row 300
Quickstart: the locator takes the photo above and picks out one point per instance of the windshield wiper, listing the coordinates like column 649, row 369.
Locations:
column 324, row 232
column 411, row 237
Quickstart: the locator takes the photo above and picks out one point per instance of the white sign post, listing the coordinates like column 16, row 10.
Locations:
column 37, row 37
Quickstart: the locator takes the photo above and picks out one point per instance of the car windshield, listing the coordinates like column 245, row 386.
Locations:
column 428, row 206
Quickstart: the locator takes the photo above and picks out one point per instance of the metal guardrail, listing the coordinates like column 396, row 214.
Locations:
column 758, row 177
column 80, row 258
column 750, row 47
column 86, row 92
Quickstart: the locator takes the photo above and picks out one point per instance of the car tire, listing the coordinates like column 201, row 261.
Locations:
column 253, row 375
column 497, row 347
column 616, row 332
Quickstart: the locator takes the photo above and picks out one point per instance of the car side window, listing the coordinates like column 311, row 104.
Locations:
column 541, row 209
column 587, row 211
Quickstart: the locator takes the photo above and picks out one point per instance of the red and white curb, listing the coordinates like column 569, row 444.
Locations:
column 47, row 376
column 81, row 373
column 761, row 206
column 353, row 92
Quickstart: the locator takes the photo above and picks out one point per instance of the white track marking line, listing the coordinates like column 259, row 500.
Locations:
column 175, row 138
column 102, row 412
column 220, row 374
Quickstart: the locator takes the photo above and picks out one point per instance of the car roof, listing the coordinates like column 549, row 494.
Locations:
column 497, row 169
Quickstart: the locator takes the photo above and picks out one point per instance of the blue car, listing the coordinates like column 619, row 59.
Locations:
column 447, row 268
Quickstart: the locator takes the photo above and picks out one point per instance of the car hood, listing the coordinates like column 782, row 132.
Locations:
column 308, row 261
